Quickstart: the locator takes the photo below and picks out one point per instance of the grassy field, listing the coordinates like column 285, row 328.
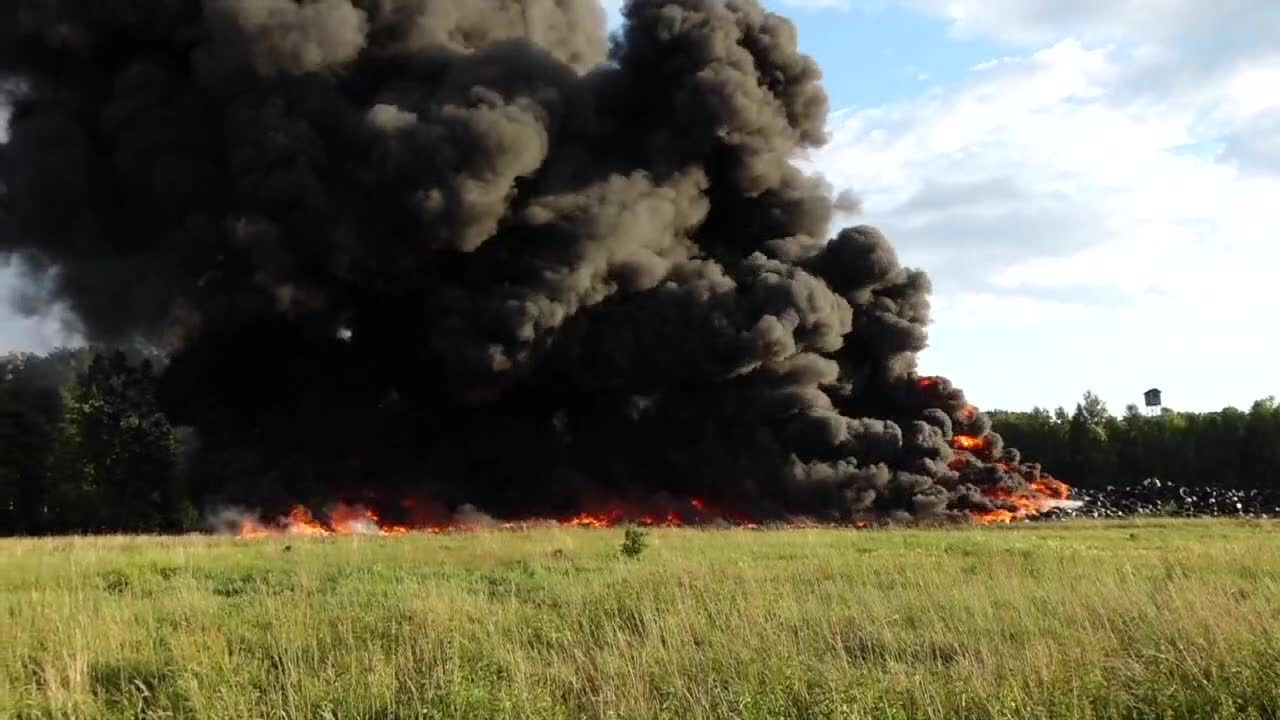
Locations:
column 1121, row 620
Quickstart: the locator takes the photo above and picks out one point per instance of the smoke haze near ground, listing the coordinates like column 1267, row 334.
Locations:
column 472, row 251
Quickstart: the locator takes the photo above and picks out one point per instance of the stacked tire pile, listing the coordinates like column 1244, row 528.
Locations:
column 1152, row 497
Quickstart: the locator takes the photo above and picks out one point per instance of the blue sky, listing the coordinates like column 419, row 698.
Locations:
column 1090, row 183
column 882, row 54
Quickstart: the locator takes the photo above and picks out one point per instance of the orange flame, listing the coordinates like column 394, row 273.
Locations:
column 253, row 529
column 991, row 517
column 343, row 519
column 1052, row 487
column 594, row 520
column 968, row 442
column 301, row 522
column 1042, row 494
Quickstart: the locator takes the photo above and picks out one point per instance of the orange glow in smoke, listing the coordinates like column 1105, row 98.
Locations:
column 1040, row 495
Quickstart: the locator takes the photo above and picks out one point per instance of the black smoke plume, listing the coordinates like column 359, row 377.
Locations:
column 475, row 251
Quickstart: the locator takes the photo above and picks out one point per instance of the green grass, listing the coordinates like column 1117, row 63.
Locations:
column 1162, row 619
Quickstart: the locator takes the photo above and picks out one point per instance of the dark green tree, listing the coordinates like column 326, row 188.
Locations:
column 1091, row 448
column 29, row 426
column 1260, row 461
column 118, row 461
column 31, row 418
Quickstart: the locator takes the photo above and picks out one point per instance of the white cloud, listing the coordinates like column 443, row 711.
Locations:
column 1256, row 145
column 18, row 332
column 818, row 4
column 1082, row 232
column 1039, row 22
column 613, row 12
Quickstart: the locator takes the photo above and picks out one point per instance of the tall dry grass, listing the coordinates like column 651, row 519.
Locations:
column 1134, row 620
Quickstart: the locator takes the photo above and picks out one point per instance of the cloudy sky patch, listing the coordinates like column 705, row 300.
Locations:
column 1092, row 200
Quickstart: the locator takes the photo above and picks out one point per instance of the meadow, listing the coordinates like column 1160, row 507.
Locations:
column 1155, row 619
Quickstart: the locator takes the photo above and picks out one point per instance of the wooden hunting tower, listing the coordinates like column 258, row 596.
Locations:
column 1152, row 399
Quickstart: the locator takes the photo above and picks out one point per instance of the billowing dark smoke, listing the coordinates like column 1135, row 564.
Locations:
column 471, row 251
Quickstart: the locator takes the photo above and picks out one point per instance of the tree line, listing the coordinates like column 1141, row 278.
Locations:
column 85, row 447
column 1090, row 447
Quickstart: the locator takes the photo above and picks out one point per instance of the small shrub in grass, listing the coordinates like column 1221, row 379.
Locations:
column 634, row 542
